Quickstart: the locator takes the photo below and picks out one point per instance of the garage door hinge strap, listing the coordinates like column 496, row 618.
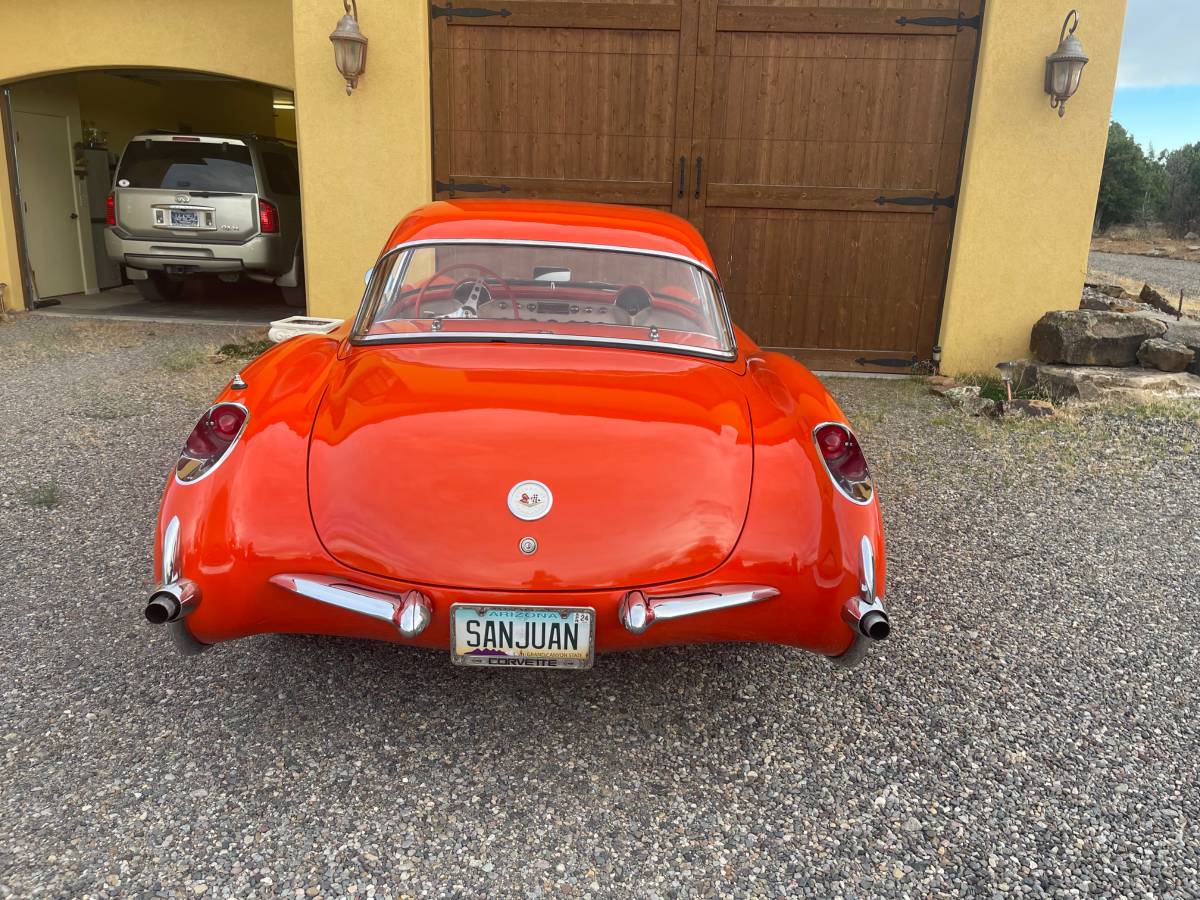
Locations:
column 889, row 361
column 935, row 200
column 467, row 12
column 476, row 187
column 959, row 23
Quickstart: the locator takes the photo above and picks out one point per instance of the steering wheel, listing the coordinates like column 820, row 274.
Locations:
column 480, row 292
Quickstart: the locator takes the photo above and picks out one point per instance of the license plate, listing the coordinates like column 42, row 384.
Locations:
column 549, row 637
column 185, row 218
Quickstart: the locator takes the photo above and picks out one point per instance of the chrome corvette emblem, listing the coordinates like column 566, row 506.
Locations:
column 529, row 500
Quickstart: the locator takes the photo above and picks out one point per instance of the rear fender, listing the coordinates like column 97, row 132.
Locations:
column 255, row 503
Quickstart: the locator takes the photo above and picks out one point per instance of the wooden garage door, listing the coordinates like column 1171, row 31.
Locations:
column 816, row 147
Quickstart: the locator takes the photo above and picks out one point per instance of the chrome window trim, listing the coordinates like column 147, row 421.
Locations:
column 356, row 338
column 825, row 465
column 491, row 337
column 224, row 456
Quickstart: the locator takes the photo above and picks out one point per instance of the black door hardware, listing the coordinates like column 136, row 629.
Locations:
column 889, row 361
column 935, row 200
column 467, row 12
column 960, row 22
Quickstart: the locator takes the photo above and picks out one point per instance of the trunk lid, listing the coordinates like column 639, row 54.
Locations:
column 415, row 450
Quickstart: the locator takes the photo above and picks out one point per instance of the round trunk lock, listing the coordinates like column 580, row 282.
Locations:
column 528, row 546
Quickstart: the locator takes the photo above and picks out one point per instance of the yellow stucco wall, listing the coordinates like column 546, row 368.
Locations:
column 365, row 159
column 1029, row 182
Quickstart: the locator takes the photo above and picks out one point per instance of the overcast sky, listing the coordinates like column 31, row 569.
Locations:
column 1158, row 80
column 1160, row 43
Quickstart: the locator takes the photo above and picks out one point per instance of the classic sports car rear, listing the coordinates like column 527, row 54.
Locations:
column 541, row 438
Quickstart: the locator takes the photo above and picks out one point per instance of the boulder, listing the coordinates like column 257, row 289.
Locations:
column 1186, row 332
column 1085, row 337
column 1191, row 236
column 968, row 400
column 1158, row 252
column 1095, row 383
column 1164, row 355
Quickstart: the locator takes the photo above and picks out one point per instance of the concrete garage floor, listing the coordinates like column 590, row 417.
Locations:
column 1030, row 730
column 241, row 303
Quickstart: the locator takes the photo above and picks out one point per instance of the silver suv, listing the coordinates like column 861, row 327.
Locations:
column 196, row 204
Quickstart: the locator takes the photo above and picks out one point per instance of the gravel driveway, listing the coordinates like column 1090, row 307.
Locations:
column 1030, row 729
column 1165, row 275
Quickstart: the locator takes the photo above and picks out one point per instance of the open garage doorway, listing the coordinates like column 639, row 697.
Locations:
column 152, row 193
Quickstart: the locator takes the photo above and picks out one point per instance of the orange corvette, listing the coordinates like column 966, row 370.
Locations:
column 540, row 438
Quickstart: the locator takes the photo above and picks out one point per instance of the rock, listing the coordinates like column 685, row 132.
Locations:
column 1191, row 236
column 1093, row 383
column 1088, row 337
column 1028, row 409
column 1195, row 249
column 1164, row 355
column 1158, row 252
column 1186, row 332
column 1111, row 290
column 1096, row 298
column 1151, row 297
column 967, row 398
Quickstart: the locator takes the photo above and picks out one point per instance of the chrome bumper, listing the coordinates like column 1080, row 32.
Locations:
column 638, row 612
column 410, row 613
column 864, row 612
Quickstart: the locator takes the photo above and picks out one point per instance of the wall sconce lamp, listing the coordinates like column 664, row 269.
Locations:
column 1064, row 66
column 349, row 46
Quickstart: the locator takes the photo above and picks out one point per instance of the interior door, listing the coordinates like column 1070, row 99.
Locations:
column 45, row 175
column 567, row 99
column 828, row 141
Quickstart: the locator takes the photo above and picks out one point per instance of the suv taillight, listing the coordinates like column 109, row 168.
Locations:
column 844, row 461
column 110, row 210
column 213, row 437
column 268, row 217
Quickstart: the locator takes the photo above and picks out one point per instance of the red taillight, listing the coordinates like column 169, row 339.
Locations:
column 110, row 210
column 268, row 217
column 210, row 440
column 844, row 460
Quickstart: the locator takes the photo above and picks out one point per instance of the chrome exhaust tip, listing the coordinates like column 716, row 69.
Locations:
column 171, row 602
column 868, row 619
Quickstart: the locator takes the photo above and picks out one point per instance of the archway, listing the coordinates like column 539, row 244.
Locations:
column 87, row 234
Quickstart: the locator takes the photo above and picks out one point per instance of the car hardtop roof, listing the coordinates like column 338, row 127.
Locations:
column 158, row 134
column 553, row 221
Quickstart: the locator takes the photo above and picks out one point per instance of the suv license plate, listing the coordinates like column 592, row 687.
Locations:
column 550, row 637
column 185, row 218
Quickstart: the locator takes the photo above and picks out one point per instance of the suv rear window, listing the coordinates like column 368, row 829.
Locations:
column 190, row 165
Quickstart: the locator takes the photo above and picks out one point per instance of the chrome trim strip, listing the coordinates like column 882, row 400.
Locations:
column 410, row 614
column 638, row 611
column 224, row 456
column 493, row 337
column 825, row 465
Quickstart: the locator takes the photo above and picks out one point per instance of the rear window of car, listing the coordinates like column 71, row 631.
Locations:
column 188, row 165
